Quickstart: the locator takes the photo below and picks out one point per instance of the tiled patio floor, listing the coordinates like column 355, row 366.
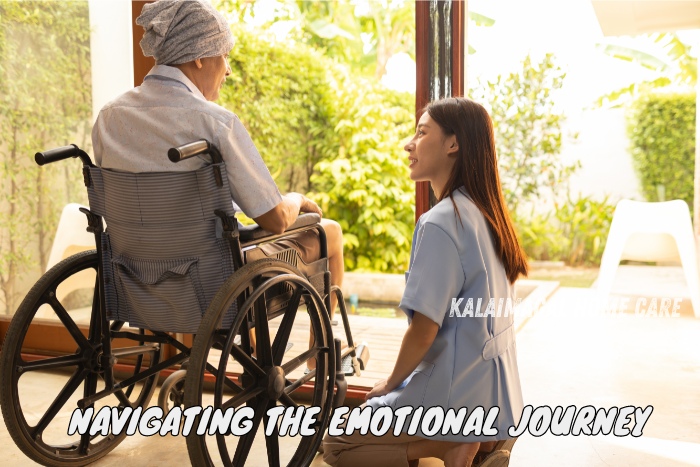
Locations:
column 565, row 359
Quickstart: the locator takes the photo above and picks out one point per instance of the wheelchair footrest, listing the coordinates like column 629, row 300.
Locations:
column 346, row 364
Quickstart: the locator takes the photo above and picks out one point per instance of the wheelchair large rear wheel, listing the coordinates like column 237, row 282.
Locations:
column 69, row 313
column 270, row 375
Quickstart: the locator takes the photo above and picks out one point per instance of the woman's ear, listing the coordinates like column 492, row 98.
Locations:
column 452, row 145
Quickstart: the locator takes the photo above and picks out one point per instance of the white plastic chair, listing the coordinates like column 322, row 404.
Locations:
column 71, row 235
column 643, row 231
column 71, row 238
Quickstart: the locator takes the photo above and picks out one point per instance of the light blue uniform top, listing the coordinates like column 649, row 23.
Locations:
column 472, row 361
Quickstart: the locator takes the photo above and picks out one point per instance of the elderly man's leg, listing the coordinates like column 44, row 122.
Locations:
column 334, row 243
column 334, row 240
column 308, row 245
column 309, row 248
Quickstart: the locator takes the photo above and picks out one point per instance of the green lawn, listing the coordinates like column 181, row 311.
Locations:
column 375, row 310
column 566, row 276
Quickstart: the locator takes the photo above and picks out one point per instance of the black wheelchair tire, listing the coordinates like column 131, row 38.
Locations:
column 237, row 284
column 174, row 382
column 10, row 372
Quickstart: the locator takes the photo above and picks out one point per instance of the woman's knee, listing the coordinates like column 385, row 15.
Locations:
column 331, row 450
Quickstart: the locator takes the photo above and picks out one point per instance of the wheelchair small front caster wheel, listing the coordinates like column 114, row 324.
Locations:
column 172, row 393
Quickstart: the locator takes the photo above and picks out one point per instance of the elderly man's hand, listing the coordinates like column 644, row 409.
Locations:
column 308, row 205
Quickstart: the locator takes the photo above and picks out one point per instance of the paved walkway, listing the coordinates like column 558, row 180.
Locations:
column 606, row 361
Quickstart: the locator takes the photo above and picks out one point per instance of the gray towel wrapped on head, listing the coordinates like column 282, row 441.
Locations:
column 179, row 31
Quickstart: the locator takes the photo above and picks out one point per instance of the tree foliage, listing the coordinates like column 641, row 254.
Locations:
column 328, row 132
column 528, row 129
column 529, row 135
column 670, row 60
column 362, row 35
column 45, row 100
column 280, row 92
column 366, row 186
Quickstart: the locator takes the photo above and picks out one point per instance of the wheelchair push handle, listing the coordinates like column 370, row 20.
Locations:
column 59, row 154
column 192, row 149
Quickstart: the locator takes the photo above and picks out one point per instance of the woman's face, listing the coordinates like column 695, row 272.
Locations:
column 431, row 153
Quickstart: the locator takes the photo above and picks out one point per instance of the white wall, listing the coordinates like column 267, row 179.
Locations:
column 111, row 46
column 603, row 149
column 570, row 30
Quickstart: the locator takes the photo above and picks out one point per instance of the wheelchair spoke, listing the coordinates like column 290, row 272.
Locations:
column 50, row 363
column 124, row 398
column 58, row 403
column 119, row 394
column 230, row 384
column 286, row 400
column 89, row 389
column 294, row 363
column 272, row 442
column 246, row 441
column 240, row 399
column 41, row 431
column 262, row 334
column 68, row 322
column 246, row 361
column 285, row 328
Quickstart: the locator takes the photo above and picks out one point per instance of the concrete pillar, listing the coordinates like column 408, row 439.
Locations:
column 110, row 51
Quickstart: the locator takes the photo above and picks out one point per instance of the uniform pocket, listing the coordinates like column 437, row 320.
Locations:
column 499, row 343
column 162, row 295
column 414, row 392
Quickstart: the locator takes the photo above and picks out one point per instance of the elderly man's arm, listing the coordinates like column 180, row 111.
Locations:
column 279, row 218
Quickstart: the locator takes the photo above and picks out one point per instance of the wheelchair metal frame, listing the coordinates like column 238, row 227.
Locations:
column 240, row 242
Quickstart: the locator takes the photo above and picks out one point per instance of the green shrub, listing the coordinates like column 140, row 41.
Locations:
column 575, row 232
column 327, row 132
column 367, row 187
column 661, row 128
column 280, row 91
column 44, row 103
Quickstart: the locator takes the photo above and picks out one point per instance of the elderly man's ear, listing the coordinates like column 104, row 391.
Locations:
column 198, row 63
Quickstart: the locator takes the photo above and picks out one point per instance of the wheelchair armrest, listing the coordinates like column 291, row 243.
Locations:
column 255, row 232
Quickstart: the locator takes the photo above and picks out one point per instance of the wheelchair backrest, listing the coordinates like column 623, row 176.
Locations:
column 163, row 257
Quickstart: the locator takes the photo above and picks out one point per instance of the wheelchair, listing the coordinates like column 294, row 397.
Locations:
column 173, row 262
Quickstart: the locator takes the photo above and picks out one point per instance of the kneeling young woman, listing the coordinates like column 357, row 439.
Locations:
column 465, row 251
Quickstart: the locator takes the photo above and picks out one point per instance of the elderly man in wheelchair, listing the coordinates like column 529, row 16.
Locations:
column 172, row 169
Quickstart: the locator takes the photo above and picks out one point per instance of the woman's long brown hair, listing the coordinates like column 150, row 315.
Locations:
column 476, row 169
